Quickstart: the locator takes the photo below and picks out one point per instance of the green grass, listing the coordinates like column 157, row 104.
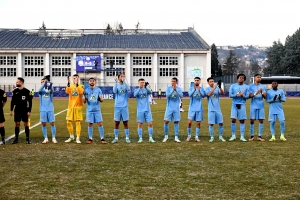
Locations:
column 231, row 170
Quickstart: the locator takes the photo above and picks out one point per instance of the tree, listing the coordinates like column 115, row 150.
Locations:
column 255, row 68
column 231, row 64
column 275, row 55
column 137, row 27
column 215, row 64
column 118, row 28
column 109, row 30
column 42, row 30
column 43, row 27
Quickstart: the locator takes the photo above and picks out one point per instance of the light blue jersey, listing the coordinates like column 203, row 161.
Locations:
column 142, row 99
column 235, row 89
column 121, row 94
column 275, row 103
column 173, row 98
column 214, row 99
column 196, row 97
column 92, row 95
column 46, row 97
column 257, row 101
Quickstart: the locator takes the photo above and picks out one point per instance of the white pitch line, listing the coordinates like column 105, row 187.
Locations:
column 31, row 127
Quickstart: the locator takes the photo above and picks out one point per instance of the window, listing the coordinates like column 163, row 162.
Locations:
column 61, row 60
column 2, row 71
column 142, row 60
column 168, row 71
column 34, row 60
column 116, row 60
column 61, row 72
column 168, row 60
column 8, row 60
column 11, row 71
column 141, row 72
column 114, row 71
column 34, row 72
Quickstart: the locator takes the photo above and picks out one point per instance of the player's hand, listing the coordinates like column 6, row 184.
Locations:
column 28, row 114
column 68, row 81
column 279, row 97
column 275, row 97
column 174, row 87
column 215, row 86
column 116, row 79
column 260, row 90
column 219, row 83
column 11, row 113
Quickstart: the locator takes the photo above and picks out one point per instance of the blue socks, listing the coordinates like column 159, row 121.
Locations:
column 233, row 128
column 101, row 132
column 260, row 129
column 44, row 131
column 242, row 130
column 211, row 131
column 90, row 132
column 150, row 131
column 140, row 132
column 272, row 128
column 127, row 133
column 197, row 132
column 176, row 129
column 282, row 127
column 166, row 129
column 221, row 129
column 251, row 129
column 116, row 132
column 189, row 130
column 53, row 130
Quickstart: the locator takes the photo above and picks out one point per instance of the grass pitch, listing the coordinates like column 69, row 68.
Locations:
column 231, row 170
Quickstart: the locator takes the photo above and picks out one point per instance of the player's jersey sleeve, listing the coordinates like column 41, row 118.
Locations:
column 232, row 92
column 191, row 91
column 283, row 97
column 202, row 92
column 136, row 91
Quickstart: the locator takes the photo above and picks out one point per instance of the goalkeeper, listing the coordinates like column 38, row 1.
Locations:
column 74, row 113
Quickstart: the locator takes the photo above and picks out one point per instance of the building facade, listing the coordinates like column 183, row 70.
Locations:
column 155, row 55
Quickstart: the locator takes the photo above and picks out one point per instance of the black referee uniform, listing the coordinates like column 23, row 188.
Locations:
column 21, row 104
column 3, row 100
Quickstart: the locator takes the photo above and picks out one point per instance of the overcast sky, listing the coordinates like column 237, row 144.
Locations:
column 223, row 22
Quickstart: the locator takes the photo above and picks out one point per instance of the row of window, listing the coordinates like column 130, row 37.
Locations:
column 111, row 60
column 61, row 72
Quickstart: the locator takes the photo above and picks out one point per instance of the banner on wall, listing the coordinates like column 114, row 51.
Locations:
column 87, row 62
column 193, row 72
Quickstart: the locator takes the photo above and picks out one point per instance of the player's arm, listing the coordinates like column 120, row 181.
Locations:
column 80, row 89
column 282, row 97
column 149, row 91
column 136, row 92
column 202, row 92
column 115, row 88
column 12, row 104
column 4, row 99
column 211, row 91
column 100, row 97
column 232, row 94
column 251, row 93
column 246, row 93
column 191, row 91
column 126, row 86
column 264, row 92
column 40, row 90
column 29, row 102
column 179, row 92
column 169, row 91
column 269, row 99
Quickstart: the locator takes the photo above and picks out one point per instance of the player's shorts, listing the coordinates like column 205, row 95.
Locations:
column 121, row 114
column 272, row 118
column 47, row 116
column 74, row 114
column 238, row 113
column 195, row 116
column 215, row 117
column 21, row 115
column 256, row 114
column 94, row 117
column 172, row 116
column 2, row 118
column 142, row 117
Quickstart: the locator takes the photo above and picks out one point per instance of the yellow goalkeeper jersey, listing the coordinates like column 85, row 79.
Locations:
column 75, row 95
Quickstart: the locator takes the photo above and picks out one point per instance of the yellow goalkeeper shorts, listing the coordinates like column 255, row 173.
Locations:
column 74, row 114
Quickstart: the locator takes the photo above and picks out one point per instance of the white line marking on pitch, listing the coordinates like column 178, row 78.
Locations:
column 31, row 127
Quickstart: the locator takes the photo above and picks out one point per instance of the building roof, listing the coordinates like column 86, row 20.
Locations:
column 61, row 39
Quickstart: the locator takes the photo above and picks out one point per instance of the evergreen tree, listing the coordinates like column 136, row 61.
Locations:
column 215, row 65
column 275, row 56
column 109, row 29
column 255, row 68
column 231, row 65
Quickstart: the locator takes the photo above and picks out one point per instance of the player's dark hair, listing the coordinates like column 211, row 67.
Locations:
column 238, row 76
column 197, row 78
column 275, row 81
column 174, row 78
column 120, row 74
column 92, row 78
column 257, row 75
column 21, row 79
column 209, row 78
column 76, row 75
column 141, row 79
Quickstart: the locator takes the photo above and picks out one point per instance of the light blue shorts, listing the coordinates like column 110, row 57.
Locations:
column 215, row 117
column 47, row 116
column 172, row 116
column 142, row 117
column 195, row 116
column 121, row 114
column 94, row 117
column 272, row 118
column 239, row 114
column 256, row 114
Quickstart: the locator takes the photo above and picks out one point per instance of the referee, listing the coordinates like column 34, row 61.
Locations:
column 3, row 100
column 18, row 107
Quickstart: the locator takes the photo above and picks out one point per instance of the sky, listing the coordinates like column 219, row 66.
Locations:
column 223, row 22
